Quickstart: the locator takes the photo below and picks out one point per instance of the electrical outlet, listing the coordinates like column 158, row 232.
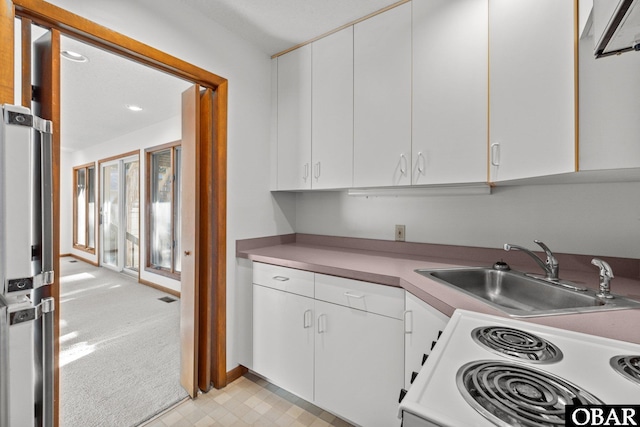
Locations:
column 400, row 233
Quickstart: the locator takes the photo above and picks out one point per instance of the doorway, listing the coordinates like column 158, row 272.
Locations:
column 120, row 214
column 112, row 326
column 209, row 324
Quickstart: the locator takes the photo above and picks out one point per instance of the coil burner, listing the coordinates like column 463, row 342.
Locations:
column 516, row 395
column 627, row 366
column 516, row 344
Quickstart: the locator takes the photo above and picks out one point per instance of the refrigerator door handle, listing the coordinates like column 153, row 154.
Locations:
column 45, row 127
column 48, row 307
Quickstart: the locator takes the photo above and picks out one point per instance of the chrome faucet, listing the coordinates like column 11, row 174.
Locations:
column 606, row 274
column 550, row 266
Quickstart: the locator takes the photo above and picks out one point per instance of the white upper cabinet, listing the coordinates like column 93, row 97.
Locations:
column 532, row 88
column 450, row 91
column 294, row 120
column 332, row 111
column 382, row 99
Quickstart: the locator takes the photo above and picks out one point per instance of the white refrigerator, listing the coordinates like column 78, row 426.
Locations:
column 26, row 270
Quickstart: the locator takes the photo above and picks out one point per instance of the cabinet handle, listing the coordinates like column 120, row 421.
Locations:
column 421, row 162
column 321, row 327
column 280, row 278
column 306, row 171
column 408, row 321
column 316, row 172
column 403, row 162
column 495, row 154
column 306, row 319
column 350, row 295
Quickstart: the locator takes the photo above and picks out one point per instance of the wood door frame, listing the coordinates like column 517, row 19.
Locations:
column 212, row 309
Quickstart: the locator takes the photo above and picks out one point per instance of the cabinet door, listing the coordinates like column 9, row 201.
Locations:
column 332, row 110
column 359, row 364
column 423, row 325
column 609, row 106
column 532, row 93
column 294, row 119
column 450, row 91
column 283, row 339
column 382, row 99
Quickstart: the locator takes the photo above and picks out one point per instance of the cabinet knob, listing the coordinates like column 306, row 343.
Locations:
column 403, row 393
column 414, row 374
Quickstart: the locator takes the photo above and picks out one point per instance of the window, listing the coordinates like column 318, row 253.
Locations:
column 84, row 208
column 163, row 209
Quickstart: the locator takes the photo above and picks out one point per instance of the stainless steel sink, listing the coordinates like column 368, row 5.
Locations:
column 520, row 295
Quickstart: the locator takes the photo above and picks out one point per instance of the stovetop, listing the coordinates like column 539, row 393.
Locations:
column 528, row 366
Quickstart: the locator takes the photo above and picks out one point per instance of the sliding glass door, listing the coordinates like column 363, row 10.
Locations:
column 120, row 214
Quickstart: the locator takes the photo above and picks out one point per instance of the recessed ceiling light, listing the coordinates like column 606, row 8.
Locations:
column 74, row 56
column 133, row 107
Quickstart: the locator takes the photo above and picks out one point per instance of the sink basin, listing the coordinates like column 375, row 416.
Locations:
column 520, row 295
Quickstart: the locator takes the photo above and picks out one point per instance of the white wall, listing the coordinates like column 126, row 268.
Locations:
column 252, row 211
column 591, row 219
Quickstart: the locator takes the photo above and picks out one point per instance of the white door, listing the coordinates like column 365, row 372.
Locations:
column 532, row 72
column 422, row 329
column 450, row 91
column 120, row 214
column 359, row 364
column 332, row 111
column 382, row 99
column 294, row 119
column 283, row 339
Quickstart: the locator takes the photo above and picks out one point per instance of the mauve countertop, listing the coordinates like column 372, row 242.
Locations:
column 395, row 269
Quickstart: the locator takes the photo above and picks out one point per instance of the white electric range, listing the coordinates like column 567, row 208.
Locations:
column 535, row 369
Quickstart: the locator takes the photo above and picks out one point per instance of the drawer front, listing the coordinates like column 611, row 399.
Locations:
column 379, row 299
column 283, row 278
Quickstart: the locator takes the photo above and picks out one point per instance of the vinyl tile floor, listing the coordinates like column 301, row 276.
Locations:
column 248, row 401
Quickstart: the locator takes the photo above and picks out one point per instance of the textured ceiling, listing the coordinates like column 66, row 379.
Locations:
column 276, row 25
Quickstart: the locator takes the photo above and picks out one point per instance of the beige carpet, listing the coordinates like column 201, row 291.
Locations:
column 120, row 349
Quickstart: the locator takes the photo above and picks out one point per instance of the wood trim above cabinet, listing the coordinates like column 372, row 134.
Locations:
column 328, row 33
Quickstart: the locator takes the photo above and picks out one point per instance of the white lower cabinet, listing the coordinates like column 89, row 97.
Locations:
column 359, row 364
column 423, row 326
column 336, row 342
column 283, row 336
